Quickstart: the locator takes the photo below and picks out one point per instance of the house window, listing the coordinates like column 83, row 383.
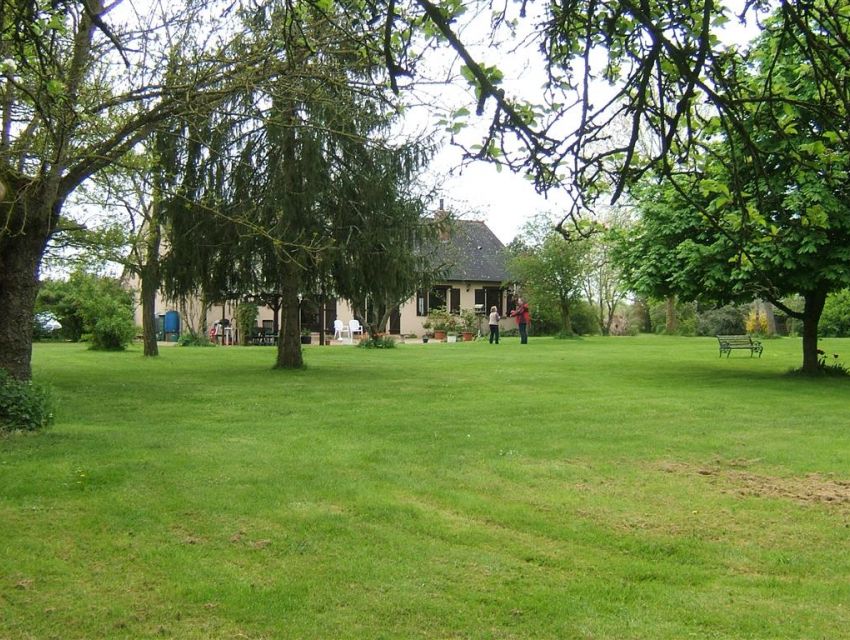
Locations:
column 437, row 298
column 493, row 298
column 489, row 297
column 480, row 297
column 421, row 303
column 510, row 302
column 455, row 301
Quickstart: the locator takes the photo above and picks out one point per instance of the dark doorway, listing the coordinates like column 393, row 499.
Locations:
column 395, row 322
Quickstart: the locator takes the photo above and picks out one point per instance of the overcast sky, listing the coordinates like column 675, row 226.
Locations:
column 478, row 191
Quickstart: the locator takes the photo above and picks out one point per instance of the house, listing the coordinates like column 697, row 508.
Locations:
column 474, row 279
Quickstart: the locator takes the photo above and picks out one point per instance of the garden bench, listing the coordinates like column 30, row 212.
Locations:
column 727, row 343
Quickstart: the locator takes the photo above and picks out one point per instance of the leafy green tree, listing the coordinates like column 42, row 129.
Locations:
column 770, row 119
column 835, row 320
column 58, row 297
column 728, row 319
column 549, row 269
column 386, row 260
column 766, row 225
column 649, row 257
column 91, row 306
column 603, row 285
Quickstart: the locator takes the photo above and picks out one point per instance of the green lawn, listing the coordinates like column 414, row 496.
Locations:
column 600, row 488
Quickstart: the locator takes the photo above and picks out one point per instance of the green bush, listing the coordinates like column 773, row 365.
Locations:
column 194, row 340
column 727, row 320
column 246, row 321
column 686, row 317
column 59, row 298
column 379, row 342
column 90, row 307
column 835, row 320
column 584, row 320
column 24, row 405
column 442, row 320
column 113, row 327
column 546, row 319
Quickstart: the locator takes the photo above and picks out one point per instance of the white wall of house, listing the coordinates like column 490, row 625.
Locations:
column 411, row 323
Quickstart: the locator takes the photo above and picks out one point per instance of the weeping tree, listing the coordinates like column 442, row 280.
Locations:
column 296, row 182
column 549, row 269
column 382, row 256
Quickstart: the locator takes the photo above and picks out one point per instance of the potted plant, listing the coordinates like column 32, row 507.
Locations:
column 306, row 336
column 469, row 322
column 426, row 325
column 442, row 321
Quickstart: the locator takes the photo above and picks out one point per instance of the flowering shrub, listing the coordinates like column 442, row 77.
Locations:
column 756, row 323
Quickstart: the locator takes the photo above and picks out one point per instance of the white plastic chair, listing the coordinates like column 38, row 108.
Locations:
column 354, row 327
column 341, row 331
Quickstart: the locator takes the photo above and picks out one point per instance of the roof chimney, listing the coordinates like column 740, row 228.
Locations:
column 441, row 218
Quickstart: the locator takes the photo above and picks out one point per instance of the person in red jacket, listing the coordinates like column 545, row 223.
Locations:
column 523, row 318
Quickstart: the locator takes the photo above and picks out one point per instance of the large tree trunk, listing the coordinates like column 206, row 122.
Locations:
column 379, row 313
column 812, row 310
column 150, row 285
column 30, row 208
column 671, row 322
column 149, row 275
column 289, row 341
column 566, row 318
column 25, row 228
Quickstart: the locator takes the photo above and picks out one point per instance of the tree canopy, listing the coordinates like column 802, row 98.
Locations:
column 549, row 269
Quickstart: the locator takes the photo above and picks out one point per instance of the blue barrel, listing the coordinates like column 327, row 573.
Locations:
column 171, row 323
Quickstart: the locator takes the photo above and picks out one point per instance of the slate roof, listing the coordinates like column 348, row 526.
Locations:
column 472, row 252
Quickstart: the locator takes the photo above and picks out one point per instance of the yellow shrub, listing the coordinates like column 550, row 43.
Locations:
column 756, row 323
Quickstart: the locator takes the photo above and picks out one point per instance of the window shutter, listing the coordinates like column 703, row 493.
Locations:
column 421, row 303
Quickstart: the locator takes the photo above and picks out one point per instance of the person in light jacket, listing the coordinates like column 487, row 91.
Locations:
column 494, row 325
